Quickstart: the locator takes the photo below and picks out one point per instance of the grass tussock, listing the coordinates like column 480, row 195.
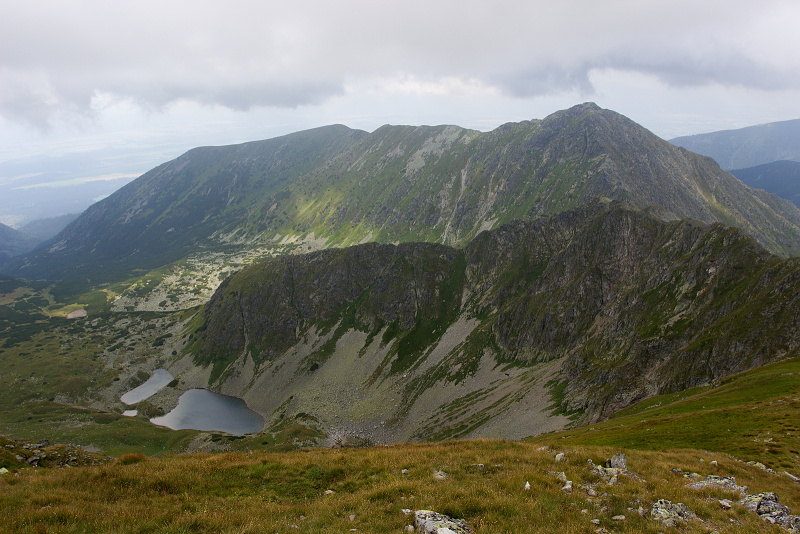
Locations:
column 131, row 458
column 327, row 490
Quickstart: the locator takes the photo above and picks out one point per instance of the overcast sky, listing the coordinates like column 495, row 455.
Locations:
column 151, row 79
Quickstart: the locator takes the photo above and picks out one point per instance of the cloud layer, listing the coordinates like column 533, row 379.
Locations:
column 60, row 58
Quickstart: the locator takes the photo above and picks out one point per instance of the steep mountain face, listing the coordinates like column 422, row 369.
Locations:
column 399, row 184
column 747, row 147
column 581, row 313
column 781, row 178
column 14, row 243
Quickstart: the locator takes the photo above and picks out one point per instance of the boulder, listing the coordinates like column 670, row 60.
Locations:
column 430, row 522
column 671, row 514
column 618, row 461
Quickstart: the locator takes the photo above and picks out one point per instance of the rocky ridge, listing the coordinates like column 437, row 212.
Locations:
column 583, row 313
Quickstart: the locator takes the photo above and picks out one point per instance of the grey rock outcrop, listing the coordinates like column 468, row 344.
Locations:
column 670, row 514
column 766, row 505
column 430, row 522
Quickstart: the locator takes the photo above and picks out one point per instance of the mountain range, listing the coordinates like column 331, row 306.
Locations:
column 779, row 177
column 334, row 186
column 747, row 147
column 465, row 284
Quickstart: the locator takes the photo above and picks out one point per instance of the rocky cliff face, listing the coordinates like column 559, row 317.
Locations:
column 580, row 313
column 402, row 184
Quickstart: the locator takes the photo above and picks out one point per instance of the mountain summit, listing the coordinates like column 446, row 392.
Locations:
column 398, row 184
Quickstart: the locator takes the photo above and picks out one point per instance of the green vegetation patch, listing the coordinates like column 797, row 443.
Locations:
column 753, row 415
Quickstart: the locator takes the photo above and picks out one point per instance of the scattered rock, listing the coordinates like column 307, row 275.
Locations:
column 440, row 475
column 761, row 466
column 329, row 492
column 792, row 477
column 618, row 518
column 611, row 474
column 567, row 487
column 45, row 454
column 3, row 471
column 670, row 514
column 430, row 522
column 713, row 481
column 725, row 504
column 714, row 463
column 527, row 486
column 404, row 471
column 595, row 521
column 560, row 457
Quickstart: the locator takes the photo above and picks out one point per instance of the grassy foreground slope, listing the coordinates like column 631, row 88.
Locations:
column 748, row 417
column 327, row 490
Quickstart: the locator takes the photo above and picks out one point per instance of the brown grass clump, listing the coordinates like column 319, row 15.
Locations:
column 130, row 458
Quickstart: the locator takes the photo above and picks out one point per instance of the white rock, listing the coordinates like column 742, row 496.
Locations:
column 527, row 486
column 560, row 457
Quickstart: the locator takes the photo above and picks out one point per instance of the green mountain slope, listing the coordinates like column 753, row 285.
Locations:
column 398, row 184
column 747, row 147
column 752, row 415
column 596, row 307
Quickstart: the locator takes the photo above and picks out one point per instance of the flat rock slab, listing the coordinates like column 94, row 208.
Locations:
column 430, row 522
column 77, row 314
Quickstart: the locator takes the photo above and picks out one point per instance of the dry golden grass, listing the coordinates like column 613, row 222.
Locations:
column 286, row 492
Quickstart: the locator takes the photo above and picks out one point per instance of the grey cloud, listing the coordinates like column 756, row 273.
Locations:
column 56, row 56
